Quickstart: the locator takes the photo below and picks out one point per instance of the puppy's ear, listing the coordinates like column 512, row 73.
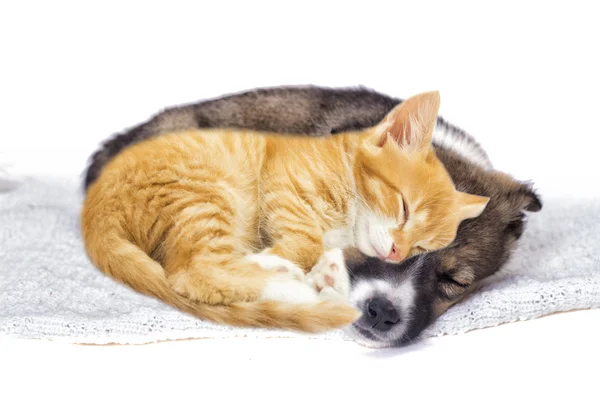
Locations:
column 520, row 194
column 527, row 198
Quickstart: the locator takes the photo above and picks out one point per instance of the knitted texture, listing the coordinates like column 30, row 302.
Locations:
column 49, row 289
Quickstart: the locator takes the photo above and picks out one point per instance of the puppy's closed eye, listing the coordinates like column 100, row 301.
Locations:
column 454, row 283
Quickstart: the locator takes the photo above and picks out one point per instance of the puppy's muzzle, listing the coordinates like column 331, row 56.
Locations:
column 379, row 315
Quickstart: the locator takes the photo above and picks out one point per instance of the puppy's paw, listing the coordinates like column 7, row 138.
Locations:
column 329, row 276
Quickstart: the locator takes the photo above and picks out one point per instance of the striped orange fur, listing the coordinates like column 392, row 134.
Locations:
column 182, row 217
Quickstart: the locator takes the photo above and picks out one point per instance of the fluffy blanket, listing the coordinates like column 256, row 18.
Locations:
column 49, row 289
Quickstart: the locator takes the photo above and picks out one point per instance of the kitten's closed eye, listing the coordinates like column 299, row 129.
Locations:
column 402, row 217
column 404, row 208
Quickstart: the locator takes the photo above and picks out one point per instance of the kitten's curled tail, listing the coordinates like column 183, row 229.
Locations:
column 132, row 266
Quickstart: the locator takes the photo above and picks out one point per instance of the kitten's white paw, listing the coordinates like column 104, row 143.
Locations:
column 278, row 264
column 289, row 285
column 329, row 276
column 289, row 291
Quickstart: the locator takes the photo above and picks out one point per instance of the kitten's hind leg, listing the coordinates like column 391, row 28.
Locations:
column 212, row 280
column 252, row 278
column 210, row 271
column 204, row 253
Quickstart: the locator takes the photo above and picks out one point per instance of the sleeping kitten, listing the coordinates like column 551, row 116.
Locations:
column 191, row 219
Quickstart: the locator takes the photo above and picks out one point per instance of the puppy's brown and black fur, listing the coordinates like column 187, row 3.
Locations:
column 441, row 278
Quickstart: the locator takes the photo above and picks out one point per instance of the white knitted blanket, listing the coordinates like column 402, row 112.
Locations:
column 49, row 289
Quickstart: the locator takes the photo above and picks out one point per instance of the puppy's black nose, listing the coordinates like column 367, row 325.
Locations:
column 381, row 314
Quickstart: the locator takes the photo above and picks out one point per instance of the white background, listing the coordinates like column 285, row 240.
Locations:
column 520, row 76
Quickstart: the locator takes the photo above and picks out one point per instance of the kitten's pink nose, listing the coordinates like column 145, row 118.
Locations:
column 396, row 254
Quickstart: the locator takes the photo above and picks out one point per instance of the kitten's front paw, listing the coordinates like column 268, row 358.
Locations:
column 277, row 264
column 329, row 276
column 288, row 285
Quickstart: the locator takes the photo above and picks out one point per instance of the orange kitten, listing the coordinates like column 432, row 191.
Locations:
column 224, row 224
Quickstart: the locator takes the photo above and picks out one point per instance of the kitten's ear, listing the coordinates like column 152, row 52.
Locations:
column 411, row 123
column 471, row 205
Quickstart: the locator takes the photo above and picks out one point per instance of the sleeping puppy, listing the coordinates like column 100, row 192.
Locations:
column 398, row 300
